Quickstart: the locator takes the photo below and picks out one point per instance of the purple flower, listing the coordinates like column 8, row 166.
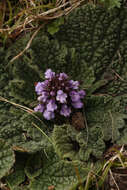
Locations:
column 65, row 110
column 48, row 115
column 39, row 88
column 45, row 84
column 51, row 106
column 39, row 107
column 44, row 96
column 52, row 93
column 74, row 96
column 49, row 74
column 58, row 94
column 61, row 96
column 74, row 84
column 82, row 93
column 62, row 76
column 77, row 104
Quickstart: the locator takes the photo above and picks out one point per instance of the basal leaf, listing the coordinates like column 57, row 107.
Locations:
column 17, row 175
column 7, row 158
column 82, row 146
column 34, row 165
column 56, row 174
column 14, row 179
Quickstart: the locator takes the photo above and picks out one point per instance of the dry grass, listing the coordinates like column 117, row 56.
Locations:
column 26, row 15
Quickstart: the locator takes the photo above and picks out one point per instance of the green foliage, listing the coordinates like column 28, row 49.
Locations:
column 42, row 170
column 74, row 144
column 17, row 176
column 111, row 3
column 57, row 173
column 54, row 26
column 7, row 158
column 34, row 165
column 26, row 167
column 4, row 78
column 104, row 125
column 18, row 128
column 91, row 47
column 15, row 14
column 108, row 113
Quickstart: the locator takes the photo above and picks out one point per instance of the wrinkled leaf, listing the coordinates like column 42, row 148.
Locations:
column 34, row 166
column 57, row 173
column 7, row 158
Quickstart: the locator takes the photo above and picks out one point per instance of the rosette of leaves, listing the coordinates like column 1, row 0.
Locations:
column 17, row 175
column 106, row 123
column 91, row 47
column 110, row 114
column 44, row 170
column 25, row 169
column 57, row 174
column 77, row 145
column 94, row 35
column 94, row 45
column 21, row 133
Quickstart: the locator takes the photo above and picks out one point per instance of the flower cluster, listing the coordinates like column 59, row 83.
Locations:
column 58, row 94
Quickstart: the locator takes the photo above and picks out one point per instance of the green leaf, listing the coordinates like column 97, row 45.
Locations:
column 17, row 175
column 115, row 124
column 77, row 148
column 22, row 187
column 104, row 112
column 91, row 58
column 54, row 26
column 91, row 47
column 22, row 135
column 104, row 174
column 7, row 158
column 123, row 138
column 14, row 179
column 111, row 3
column 53, row 29
column 64, row 145
column 56, row 173
column 34, row 165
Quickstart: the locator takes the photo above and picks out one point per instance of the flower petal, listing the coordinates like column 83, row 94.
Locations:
column 51, row 106
column 48, row 115
column 65, row 110
column 78, row 104
column 49, row 74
